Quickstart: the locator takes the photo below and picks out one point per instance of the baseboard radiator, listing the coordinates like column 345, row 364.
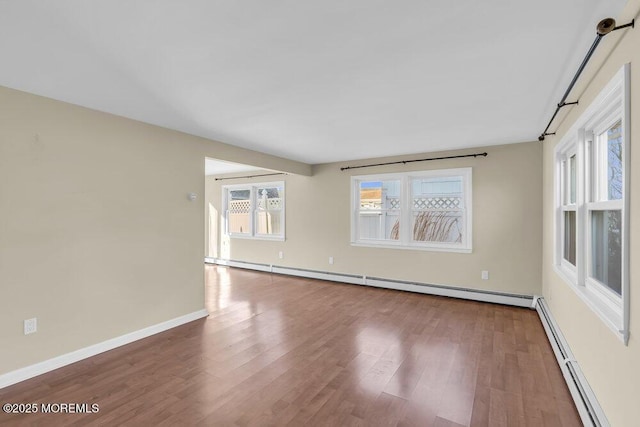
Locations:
column 584, row 398
column 588, row 407
column 401, row 285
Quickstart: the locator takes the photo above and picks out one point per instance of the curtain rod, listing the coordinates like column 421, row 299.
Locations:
column 603, row 28
column 417, row 160
column 250, row 176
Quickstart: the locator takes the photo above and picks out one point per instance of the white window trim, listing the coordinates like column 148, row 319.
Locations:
column 253, row 196
column 611, row 104
column 405, row 241
column 564, row 151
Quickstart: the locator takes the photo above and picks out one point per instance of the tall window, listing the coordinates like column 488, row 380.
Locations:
column 418, row 210
column 568, row 201
column 592, row 205
column 254, row 211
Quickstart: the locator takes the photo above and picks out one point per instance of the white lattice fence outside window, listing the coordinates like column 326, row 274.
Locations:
column 394, row 203
column 239, row 206
column 441, row 202
column 428, row 203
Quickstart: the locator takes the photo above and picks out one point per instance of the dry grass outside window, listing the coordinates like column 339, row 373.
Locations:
column 433, row 226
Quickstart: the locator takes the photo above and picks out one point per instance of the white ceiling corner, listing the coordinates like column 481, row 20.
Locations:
column 221, row 167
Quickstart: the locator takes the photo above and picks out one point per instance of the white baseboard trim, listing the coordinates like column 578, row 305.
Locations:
column 583, row 396
column 39, row 368
column 423, row 288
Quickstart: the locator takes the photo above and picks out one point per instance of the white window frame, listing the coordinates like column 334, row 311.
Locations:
column 253, row 197
column 611, row 105
column 405, row 240
column 563, row 156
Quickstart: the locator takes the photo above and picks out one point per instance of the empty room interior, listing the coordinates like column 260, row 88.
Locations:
column 418, row 213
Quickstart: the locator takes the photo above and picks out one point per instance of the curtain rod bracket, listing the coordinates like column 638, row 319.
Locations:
column 564, row 104
column 630, row 24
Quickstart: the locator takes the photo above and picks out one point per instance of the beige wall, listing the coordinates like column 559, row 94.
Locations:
column 97, row 236
column 613, row 370
column 507, row 225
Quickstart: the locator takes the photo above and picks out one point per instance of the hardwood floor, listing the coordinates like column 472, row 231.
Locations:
column 278, row 350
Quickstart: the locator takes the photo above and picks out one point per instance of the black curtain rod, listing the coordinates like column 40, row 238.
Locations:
column 250, row 176
column 417, row 160
column 603, row 28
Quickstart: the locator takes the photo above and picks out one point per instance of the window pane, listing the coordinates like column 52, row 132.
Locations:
column 570, row 236
column 614, row 161
column 437, row 193
column 564, row 175
column 269, row 198
column 379, row 195
column 438, row 209
column 269, row 222
column 572, row 179
column 606, row 248
column 239, row 210
column 382, row 225
column 438, row 226
column 269, row 201
column 379, row 216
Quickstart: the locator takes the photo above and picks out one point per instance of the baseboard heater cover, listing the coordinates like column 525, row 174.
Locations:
column 423, row 288
column 588, row 407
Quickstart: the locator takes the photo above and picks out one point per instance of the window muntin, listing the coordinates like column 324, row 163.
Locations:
column 255, row 210
column 593, row 256
column 417, row 210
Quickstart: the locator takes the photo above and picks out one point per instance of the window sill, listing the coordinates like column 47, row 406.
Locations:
column 609, row 317
column 412, row 248
column 243, row 237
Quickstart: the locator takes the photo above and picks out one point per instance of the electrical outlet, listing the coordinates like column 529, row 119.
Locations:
column 30, row 326
column 280, row 255
column 485, row 275
column 330, row 260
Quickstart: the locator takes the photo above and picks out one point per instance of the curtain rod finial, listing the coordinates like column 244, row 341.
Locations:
column 605, row 26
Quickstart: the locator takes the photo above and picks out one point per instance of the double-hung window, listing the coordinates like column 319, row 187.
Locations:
column 568, row 208
column 428, row 210
column 592, row 205
column 254, row 211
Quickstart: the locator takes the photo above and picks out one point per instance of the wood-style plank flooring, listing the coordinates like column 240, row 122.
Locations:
column 278, row 350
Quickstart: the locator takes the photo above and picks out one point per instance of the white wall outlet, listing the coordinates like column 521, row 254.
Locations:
column 485, row 275
column 30, row 326
column 330, row 260
column 280, row 255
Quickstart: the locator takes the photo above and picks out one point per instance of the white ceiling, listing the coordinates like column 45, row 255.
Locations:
column 220, row 167
column 314, row 81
